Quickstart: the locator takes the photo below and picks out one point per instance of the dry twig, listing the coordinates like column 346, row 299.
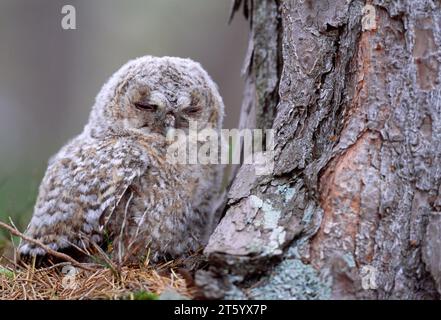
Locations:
column 50, row 251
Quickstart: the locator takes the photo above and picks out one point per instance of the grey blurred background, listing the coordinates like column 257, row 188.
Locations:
column 49, row 76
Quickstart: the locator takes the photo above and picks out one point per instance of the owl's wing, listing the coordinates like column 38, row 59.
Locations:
column 83, row 180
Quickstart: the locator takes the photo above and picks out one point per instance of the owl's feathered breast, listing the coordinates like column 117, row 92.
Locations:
column 86, row 178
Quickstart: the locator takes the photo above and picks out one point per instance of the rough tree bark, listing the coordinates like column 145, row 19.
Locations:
column 351, row 210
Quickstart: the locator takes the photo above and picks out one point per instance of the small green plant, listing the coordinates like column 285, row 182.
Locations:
column 143, row 295
column 8, row 273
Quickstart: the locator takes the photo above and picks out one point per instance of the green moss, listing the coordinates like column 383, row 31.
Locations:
column 143, row 295
column 8, row 273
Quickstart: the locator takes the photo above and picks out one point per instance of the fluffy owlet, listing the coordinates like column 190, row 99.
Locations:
column 112, row 182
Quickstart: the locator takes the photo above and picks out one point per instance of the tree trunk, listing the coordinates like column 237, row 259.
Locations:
column 351, row 209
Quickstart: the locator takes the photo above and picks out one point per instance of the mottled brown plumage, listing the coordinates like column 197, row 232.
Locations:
column 113, row 181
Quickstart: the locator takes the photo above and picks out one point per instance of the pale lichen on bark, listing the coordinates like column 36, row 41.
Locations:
column 355, row 191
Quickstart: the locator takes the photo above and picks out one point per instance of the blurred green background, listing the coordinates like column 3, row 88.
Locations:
column 49, row 76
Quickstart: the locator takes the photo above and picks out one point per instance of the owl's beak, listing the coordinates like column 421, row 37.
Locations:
column 169, row 122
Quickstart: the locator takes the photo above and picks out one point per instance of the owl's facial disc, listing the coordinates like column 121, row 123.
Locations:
column 158, row 110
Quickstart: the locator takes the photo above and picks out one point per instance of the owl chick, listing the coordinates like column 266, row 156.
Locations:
column 113, row 184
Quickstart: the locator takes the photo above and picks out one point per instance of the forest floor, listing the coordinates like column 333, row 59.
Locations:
column 62, row 281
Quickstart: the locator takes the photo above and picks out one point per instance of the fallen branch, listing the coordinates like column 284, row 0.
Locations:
column 50, row 251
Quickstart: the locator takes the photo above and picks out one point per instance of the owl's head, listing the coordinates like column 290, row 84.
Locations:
column 154, row 94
